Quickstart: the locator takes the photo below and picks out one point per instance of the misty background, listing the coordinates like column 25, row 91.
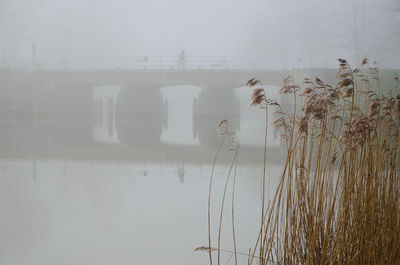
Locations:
column 109, row 110
column 309, row 33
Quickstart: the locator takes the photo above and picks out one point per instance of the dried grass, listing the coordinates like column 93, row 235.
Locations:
column 338, row 199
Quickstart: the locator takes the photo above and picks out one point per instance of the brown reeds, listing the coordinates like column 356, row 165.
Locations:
column 338, row 201
column 229, row 138
column 338, row 198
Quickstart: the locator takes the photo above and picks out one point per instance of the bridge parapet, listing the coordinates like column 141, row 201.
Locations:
column 155, row 62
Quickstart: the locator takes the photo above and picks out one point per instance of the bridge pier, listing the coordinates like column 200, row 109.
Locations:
column 180, row 101
column 106, row 97
column 251, row 132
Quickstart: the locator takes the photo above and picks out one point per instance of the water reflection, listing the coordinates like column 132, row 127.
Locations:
column 144, row 122
column 106, row 212
column 94, row 173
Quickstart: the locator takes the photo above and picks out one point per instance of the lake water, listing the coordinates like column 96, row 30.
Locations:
column 102, row 174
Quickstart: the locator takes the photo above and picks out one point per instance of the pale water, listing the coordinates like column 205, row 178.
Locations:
column 102, row 175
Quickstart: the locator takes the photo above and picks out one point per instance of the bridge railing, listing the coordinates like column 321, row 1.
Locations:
column 154, row 62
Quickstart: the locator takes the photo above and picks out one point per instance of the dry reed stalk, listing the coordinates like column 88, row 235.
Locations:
column 233, row 165
column 221, row 129
column 338, row 198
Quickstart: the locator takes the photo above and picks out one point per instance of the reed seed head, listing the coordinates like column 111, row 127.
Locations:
column 253, row 82
column 257, row 97
column 302, row 125
column 223, row 127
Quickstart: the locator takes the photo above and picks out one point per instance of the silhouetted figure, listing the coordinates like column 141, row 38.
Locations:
column 182, row 59
column 181, row 173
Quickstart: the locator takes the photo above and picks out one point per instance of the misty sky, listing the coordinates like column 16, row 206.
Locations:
column 312, row 31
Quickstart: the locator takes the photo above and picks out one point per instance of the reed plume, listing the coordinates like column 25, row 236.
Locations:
column 338, row 198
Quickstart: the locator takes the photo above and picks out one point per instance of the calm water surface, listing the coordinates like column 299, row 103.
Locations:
column 106, row 175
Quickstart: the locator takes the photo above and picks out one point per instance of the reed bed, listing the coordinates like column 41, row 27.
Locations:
column 338, row 198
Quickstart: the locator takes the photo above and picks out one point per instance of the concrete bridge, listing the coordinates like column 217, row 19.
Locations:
column 133, row 108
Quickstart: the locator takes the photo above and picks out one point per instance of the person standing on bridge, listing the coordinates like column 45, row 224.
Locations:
column 182, row 59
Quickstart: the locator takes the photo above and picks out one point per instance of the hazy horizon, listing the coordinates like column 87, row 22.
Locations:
column 126, row 124
column 308, row 33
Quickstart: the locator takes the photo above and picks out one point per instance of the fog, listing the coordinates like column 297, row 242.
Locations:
column 109, row 110
column 307, row 33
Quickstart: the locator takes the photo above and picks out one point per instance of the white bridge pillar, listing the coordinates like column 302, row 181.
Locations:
column 179, row 129
column 252, row 119
column 106, row 97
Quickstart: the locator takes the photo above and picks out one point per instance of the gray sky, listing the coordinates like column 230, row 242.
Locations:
column 315, row 31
